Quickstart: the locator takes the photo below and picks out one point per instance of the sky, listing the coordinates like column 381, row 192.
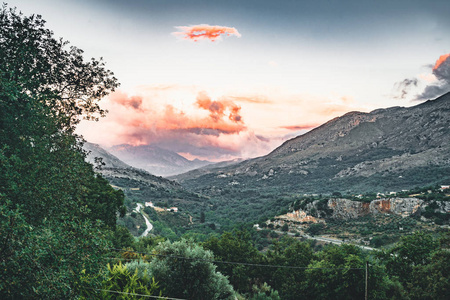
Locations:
column 219, row 80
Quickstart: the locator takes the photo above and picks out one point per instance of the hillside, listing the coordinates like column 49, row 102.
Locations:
column 386, row 149
column 139, row 186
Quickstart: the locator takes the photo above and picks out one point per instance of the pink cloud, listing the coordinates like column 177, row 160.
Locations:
column 205, row 32
column 187, row 120
column 300, row 127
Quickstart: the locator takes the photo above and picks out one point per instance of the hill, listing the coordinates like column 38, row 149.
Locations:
column 139, row 186
column 385, row 150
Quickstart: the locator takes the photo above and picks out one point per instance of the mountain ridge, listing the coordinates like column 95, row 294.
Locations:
column 351, row 152
column 156, row 160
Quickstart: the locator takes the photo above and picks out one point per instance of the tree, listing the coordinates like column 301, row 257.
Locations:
column 44, row 91
column 55, row 209
column 235, row 247
column 288, row 252
column 421, row 263
column 184, row 270
column 413, row 250
column 338, row 273
column 202, row 217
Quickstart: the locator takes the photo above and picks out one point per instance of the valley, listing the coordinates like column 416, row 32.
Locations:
column 338, row 188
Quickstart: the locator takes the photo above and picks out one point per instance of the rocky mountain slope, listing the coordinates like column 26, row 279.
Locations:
column 387, row 149
column 157, row 161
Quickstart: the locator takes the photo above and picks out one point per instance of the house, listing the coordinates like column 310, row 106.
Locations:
column 173, row 209
column 445, row 187
column 149, row 204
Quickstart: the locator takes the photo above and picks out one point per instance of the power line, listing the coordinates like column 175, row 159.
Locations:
column 233, row 262
column 141, row 295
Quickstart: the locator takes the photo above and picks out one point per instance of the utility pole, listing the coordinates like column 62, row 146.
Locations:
column 367, row 280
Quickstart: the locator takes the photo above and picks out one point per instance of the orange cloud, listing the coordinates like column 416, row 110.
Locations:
column 142, row 120
column 441, row 71
column 219, row 109
column 205, row 32
column 441, row 60
column 187, row 120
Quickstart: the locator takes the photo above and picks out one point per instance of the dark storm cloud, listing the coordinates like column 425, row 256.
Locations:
column 403, row 87
column 442, row 72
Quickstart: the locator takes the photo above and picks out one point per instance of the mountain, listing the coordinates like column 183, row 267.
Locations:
column 140, row 186
column 110, row 161
column 158, row 161
column 387, row 149
column 205, row 169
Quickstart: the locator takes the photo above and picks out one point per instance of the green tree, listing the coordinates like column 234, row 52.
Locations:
column 55, row 209
column 338, row 273
column 235, row 246
column 411, row 251
column 184, row 270
column 288, row 252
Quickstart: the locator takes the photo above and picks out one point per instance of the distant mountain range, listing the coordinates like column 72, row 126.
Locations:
column 157, row 161
column 386, row 149
column 116, row 171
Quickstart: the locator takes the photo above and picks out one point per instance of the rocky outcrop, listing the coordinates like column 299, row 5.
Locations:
column 399, row 206
column 299, row 216
column 348, row 209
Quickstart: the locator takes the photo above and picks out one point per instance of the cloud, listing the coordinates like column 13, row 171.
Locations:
column 441, row 60
column 213, row 125
column 205, row 32
column 402, row 88
column 134, row 102
column 206, row 128
column 219, row 109
column 250, row 99
column 300, row 127
column 441, row 71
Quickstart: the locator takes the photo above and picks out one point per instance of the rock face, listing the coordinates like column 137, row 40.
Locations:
column 399, row 206
column 299, row 216
column 347, row 209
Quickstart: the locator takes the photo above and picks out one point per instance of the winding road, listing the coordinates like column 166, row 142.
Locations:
column 147, row 222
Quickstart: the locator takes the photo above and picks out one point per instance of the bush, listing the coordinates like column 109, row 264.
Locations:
column 120, row 279
column 184, row 270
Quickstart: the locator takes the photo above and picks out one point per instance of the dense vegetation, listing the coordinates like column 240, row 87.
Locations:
column 294, row 269
column 55, row 211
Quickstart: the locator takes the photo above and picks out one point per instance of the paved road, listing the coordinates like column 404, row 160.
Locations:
column 324, row 239
column 147, row 222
